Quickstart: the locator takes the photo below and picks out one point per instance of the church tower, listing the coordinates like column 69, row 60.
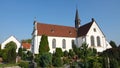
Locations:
column 77, row 20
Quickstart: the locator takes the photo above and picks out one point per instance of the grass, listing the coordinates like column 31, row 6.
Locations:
column 8, row 65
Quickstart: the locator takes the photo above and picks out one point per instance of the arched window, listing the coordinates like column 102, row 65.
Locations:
column 92, row 41
column 98, row 41
column 63, row 43
column 72, row 42
column 54, row 43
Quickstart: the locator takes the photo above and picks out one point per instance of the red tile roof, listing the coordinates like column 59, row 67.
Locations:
column 26, row 45
column 56, row 30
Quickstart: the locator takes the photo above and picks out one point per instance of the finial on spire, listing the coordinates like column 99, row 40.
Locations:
column 93, row 19
column 34, row 20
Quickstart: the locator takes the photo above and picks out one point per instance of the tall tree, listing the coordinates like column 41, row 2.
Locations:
column 84, row 48
column 113, row 44
column 44, row 45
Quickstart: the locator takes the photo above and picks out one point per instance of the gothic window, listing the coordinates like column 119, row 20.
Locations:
column 63, row 43
column 92, row 41
column 98, row 41
column 54, row 43
column 94, row 30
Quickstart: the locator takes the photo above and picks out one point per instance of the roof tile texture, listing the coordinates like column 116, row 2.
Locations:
column 26, row 45
column 56, row 30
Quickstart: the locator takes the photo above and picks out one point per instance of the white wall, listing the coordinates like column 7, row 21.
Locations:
column 58, row 43
column 80, row 40
column 11, row 38
column 99, row 33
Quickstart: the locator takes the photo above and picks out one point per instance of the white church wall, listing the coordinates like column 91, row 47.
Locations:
column 108, row 45
column 80, row 41
column 58, row 43
column 95, row 31
column 87, row 40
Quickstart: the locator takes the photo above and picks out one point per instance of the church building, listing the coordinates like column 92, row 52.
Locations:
column 60, row 36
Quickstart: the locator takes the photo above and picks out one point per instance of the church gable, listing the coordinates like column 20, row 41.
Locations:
column 11, row 38
column 83, row 30
column 95, row 30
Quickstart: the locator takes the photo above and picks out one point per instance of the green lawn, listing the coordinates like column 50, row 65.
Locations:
column 8, row 65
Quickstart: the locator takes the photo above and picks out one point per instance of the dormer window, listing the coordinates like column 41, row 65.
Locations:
column 52, row 30
column 94, row 29
column 70, row 32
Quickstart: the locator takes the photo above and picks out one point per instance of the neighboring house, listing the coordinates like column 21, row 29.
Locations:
column 26, row 45
column 63, row 36
column 13, row 39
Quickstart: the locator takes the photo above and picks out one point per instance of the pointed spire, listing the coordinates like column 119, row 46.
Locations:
column 34, row 20
column 77, row 19
column 77, row 15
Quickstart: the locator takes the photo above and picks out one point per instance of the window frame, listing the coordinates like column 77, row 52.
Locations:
column 54, row 43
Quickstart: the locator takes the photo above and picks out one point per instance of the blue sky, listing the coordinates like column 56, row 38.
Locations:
column 17, row 16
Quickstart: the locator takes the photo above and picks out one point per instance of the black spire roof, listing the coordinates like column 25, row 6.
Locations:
column 77, row 19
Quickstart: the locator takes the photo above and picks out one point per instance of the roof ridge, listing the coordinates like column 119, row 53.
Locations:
column 86, row 24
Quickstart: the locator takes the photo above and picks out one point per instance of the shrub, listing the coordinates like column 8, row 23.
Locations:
column 58, row 52
column 65, row 53
column 57, row 62
column 65, row 60
column 45, row 60
column 24, row 64
column 71, row 53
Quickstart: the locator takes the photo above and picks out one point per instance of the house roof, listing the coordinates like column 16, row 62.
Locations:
column 26, row 45
column 83, row 30
column 56, row 30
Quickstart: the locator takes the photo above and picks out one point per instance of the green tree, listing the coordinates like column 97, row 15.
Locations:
column 56, row 61
column 65, row 53
column 58, row 52
column 26, row 41
column 44, row 45
column 94, row 62
column 24, row 64
column 113, row 54
column 20, row 51
column 113, row 44
column 84, row 53
column 29, row 55
column 0, row 51
column 10, row 49
column 75, row 48
column 71, row 53
column 24, row 56
column 4, row 55
column 89, row 57
column 113, row 63
column 45, row 59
